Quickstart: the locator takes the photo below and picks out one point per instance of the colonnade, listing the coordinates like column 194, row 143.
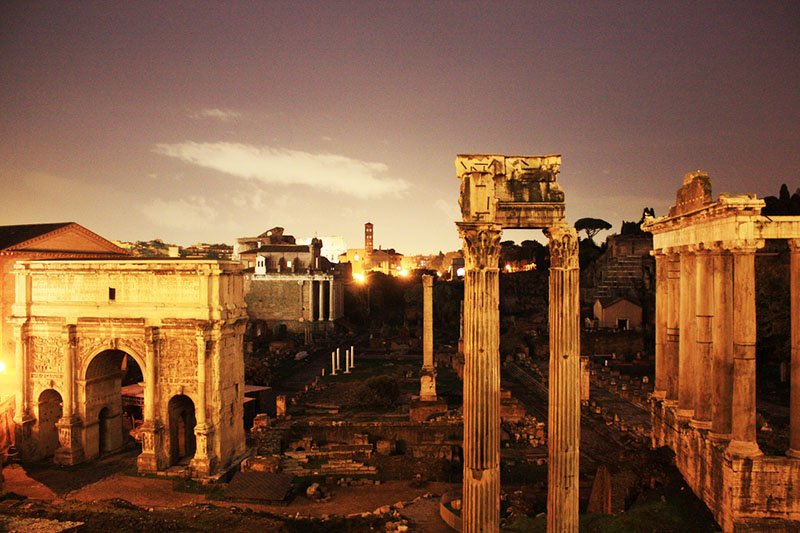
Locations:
column 316, row 300
column 706, row 340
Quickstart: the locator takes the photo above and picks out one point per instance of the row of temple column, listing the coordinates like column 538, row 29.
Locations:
column 706, row 340
column 318, row 288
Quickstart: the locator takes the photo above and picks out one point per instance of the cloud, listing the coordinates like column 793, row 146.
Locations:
column 281, row 166
column 216, row 113
column 186, row 214
column 450, row 209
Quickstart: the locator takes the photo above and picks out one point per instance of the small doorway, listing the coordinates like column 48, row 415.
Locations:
column 182, row 421
column 623, row 324
column 50, row 410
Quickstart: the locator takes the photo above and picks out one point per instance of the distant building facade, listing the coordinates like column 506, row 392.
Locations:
column 289, row 283
column 618, row 313
column 368, row 259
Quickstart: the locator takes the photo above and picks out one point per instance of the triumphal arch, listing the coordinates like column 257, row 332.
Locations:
column 498, row 192
column 79, row 325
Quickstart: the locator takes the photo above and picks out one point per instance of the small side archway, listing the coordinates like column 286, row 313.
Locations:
column 49, row 413
column 182, row 443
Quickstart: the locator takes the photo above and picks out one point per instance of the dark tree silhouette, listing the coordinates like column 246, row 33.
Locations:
column 592, row 226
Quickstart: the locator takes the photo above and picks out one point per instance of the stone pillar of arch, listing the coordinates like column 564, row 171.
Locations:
column 564, row 409
column 69, row 427
column 152, row 458
column 794, row 378
column 703, row 333
column 200, row 463
column 743, row 424
column 23, row 420
column 686, row 368
column 481, row 484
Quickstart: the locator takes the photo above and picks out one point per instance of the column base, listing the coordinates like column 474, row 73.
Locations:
column 152, row 458
column 719, row 437
column 684, row 415
column 739, row 449
column 69, row 435
column 23, row 436
column 659, row 394
column 427, row 385
column 201, row 464
column 794, row 454
column 700, row 424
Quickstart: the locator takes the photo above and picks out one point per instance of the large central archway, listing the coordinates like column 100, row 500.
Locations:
column 106, row 374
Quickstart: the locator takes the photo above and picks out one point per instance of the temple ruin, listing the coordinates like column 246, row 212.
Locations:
column 79, row 324
column 704, row 404
column 504, row 192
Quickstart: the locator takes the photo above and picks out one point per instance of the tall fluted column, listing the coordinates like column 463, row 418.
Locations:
column 69, row 434
column 427, row 380
column 703, row 356
column 564, row 408
column 481, row 485
column 153, row 457
column 311, row 300
column 660, row 388
column 723, row 346
column 672, row 342
column 321, row 302
column 794, row 378
column 743, row 425
column 427, row 322
column 686, row 367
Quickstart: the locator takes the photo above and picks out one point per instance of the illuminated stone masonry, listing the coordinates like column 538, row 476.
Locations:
column 180, row 321
column 500, row 192
column 704, row 403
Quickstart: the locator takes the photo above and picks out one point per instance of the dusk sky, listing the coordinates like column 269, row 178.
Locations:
column 207, row 121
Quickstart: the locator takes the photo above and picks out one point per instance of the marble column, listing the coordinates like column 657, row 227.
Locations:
column 743, row 424
column 21, row 408
column 69, row 431
column 703, row 332
column 427, row 322
column 331, row 301
column 200, row 463
column 722, row 346
column 311, row 300
column 672, row 341
column 564, row 408
column 427, row 380
column 660, row 388
column 794, row 378
column 481, row 484
column 321, row 302
column 686, row 367
column 153, row 457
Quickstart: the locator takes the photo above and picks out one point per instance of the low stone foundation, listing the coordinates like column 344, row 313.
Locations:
column 753, row 494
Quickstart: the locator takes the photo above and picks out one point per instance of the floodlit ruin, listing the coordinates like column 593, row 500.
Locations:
column 704, row 404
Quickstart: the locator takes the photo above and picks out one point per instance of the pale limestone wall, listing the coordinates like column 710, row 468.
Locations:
column 70, row 332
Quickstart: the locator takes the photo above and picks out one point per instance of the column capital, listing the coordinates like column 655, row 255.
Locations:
column 427, row 280
column 794, row 245
column 563, row 247
column 481, row 244
column 743, row 246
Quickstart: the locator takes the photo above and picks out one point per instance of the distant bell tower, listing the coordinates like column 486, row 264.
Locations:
column 368, row 238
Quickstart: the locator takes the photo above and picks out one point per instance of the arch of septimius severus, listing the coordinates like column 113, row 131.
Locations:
column 182, row 322
column 704, row 403
column 498, row 192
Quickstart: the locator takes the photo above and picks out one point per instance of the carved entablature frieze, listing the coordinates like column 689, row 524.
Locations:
column 563, row 247
column 481, row 245
column 177, row 361
column 513, row 191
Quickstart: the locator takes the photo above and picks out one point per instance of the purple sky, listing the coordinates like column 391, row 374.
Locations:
column 205, row 121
